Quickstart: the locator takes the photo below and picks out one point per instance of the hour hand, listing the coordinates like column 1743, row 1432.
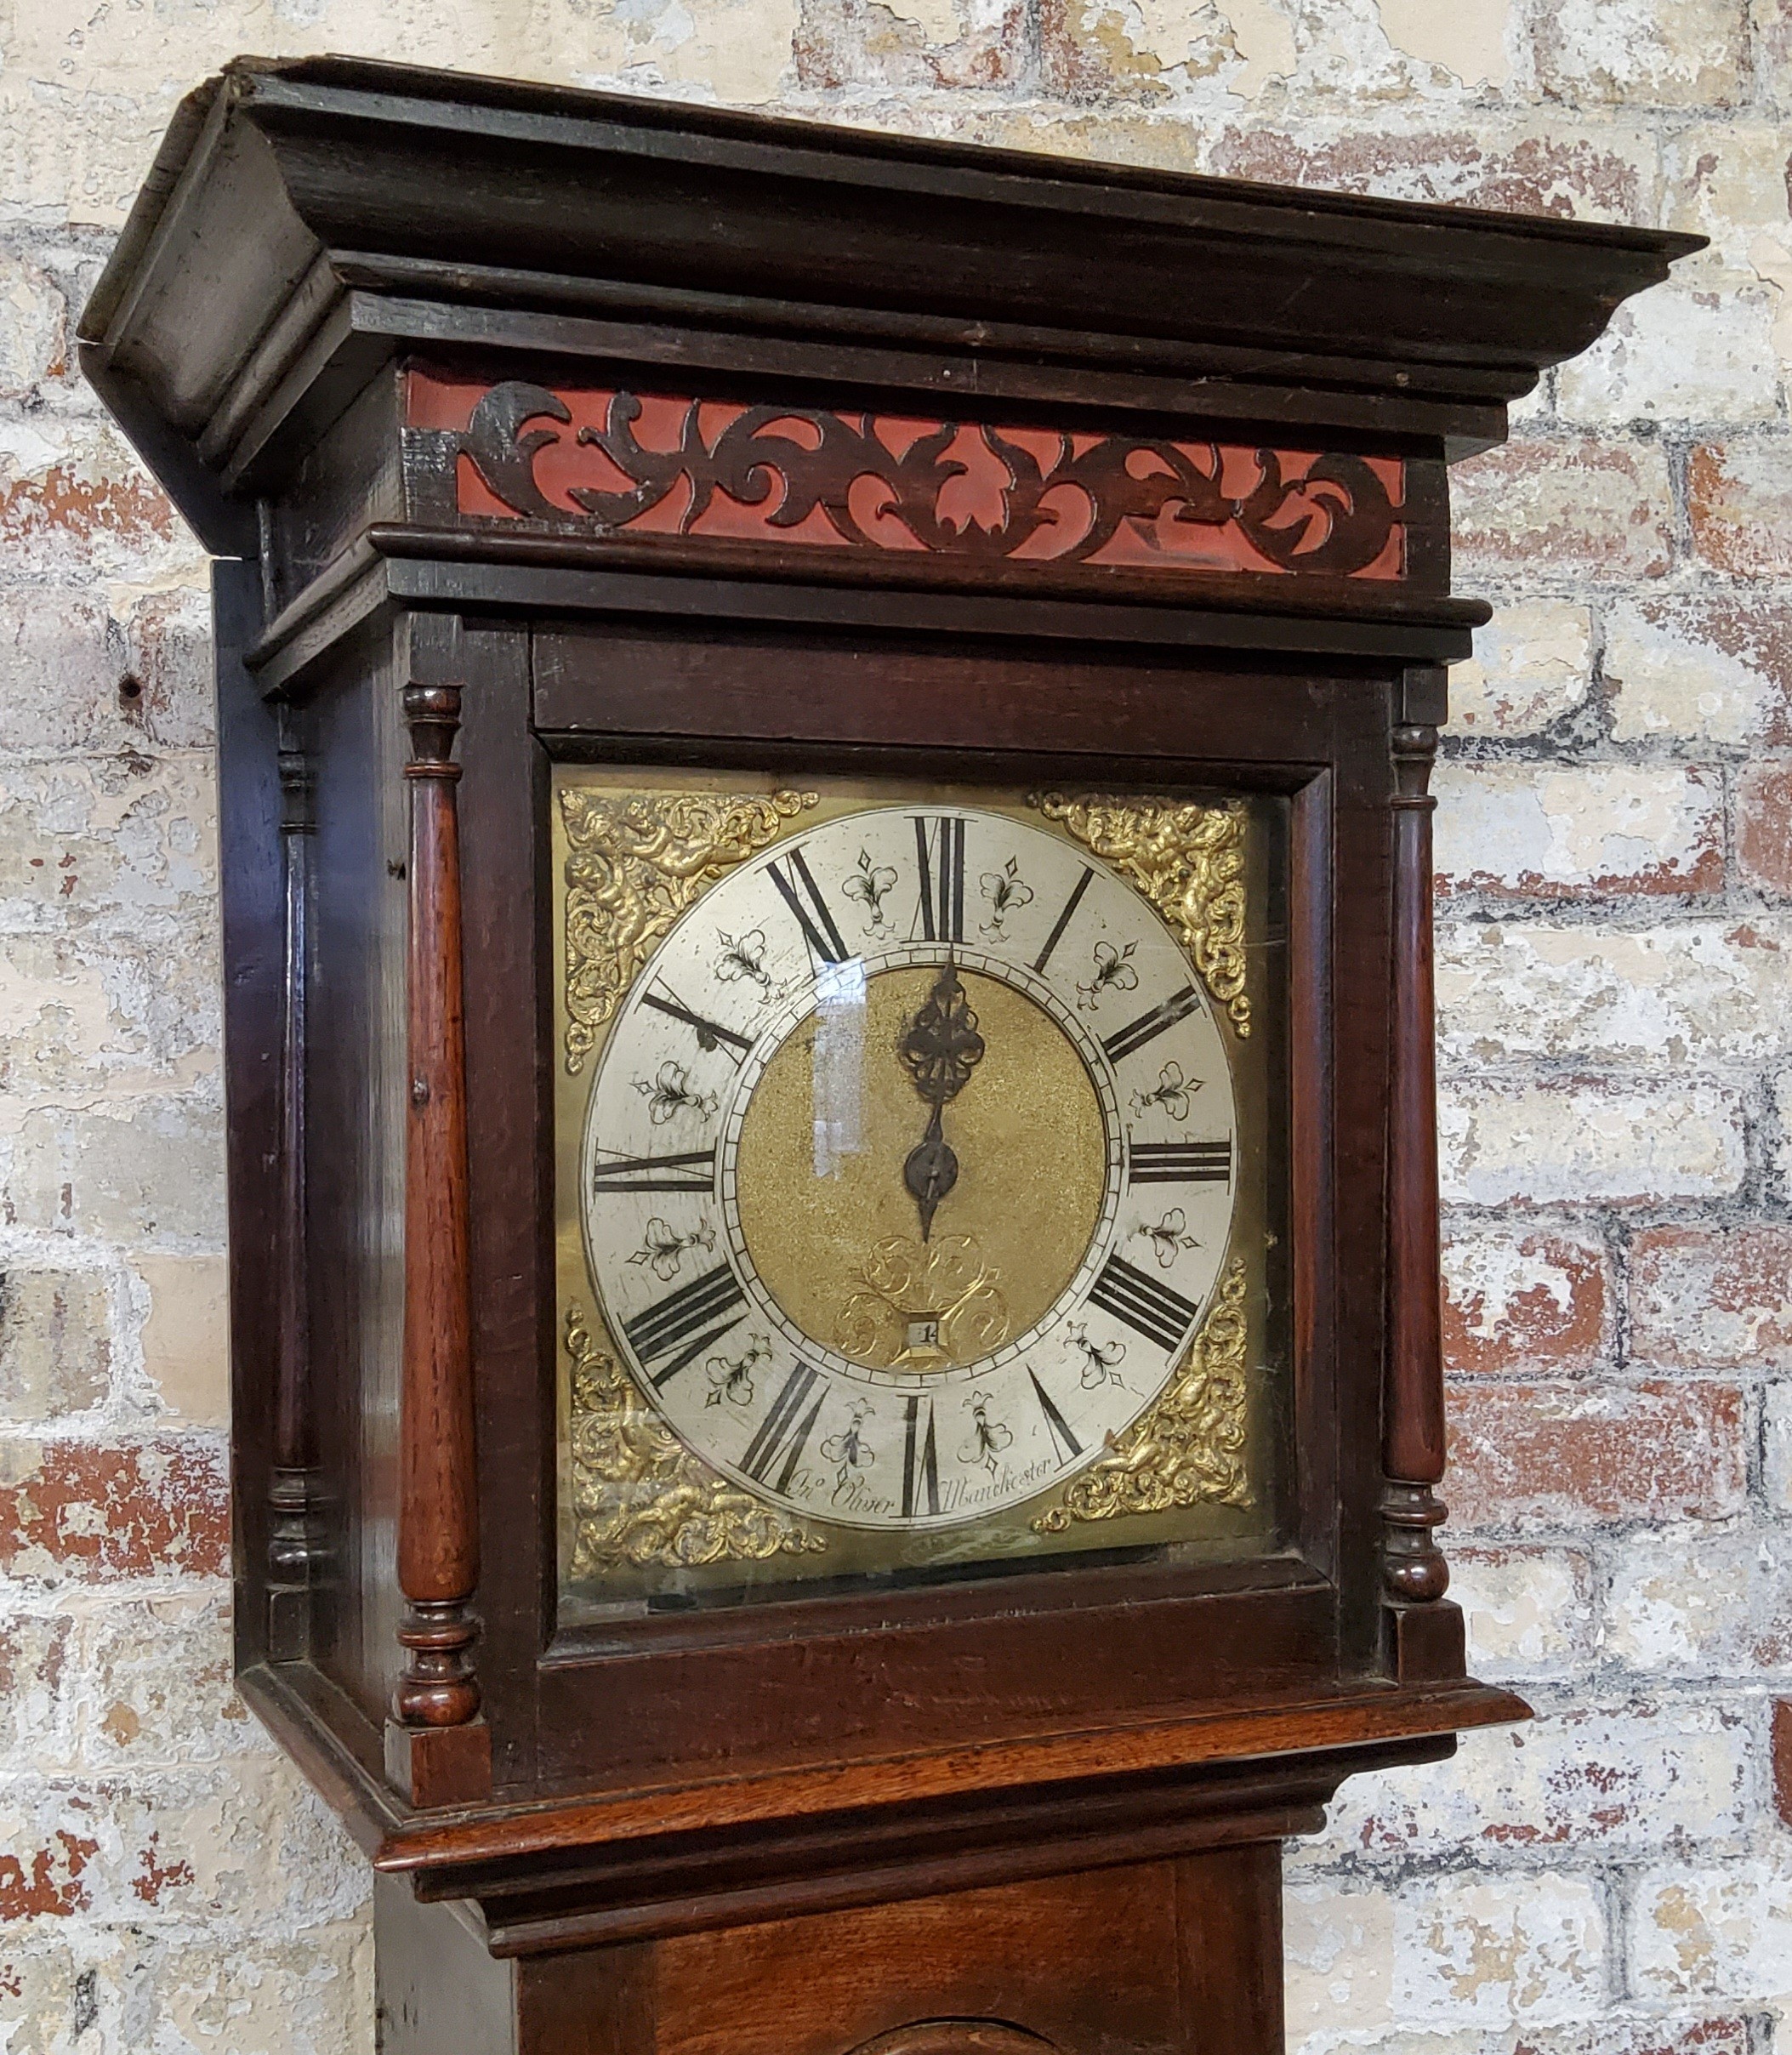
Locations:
column 930, row 1172
column 939, row 1049
column 942, row 1046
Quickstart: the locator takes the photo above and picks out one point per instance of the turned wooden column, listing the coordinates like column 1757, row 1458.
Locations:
column 433, row 1750
column 290, row 1537
column 1414, row 1573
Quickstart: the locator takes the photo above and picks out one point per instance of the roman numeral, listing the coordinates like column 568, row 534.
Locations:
column 693, row 1172
column 798, row 892
column 940, row 853
column 1064, row 1444
column 1063, row 919
column 684, row 1324
column 1136, row 1033
column 1146, row 1306
column 710, row 1035
column 1178, row 1163
column 785, row 1429
column 920, row 1465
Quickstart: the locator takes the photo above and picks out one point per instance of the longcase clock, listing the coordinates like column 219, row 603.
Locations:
column 823, row 746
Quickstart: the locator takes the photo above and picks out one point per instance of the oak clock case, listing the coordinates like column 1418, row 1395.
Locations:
column 824, row 743
column 921, row 1165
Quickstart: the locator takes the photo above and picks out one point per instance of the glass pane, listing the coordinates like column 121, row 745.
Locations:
column 922, row 1187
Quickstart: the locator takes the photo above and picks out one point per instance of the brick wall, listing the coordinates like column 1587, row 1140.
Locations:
column 1616, row 840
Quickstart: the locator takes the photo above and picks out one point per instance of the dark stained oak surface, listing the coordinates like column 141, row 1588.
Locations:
column 473, row 384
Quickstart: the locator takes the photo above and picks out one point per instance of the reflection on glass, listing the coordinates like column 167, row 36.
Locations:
column 922, row 1194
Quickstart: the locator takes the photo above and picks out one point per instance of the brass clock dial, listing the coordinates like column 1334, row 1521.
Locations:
column 908, row 1172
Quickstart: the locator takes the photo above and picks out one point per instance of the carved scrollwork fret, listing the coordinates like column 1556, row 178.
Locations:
column 639, row 1496
column 1189, row 1448
column 951, row 488
column 1189, row 862
column 635, row 862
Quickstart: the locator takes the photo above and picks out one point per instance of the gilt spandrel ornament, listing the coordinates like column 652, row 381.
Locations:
column 1189, row 862
column 639, row 1497
column 1190, row 1447
column 635, row 862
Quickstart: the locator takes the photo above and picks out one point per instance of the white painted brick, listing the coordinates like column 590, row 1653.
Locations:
column 1577, row 831
column 1776, row 1445
column 76, row 504
column 1529, row 1612
column 185, row 1334
column 1624, row 1778
column 1532, row 665
column 1695, row 992
column 127, row 841
column 62, row 660
column 147, row 1170
column 189, row 1845
column 155, row 1690
column 1714, row 1932
column 1713, row 666
column 1689, row 351
column 1587, row 52
column 1338, row 1945
column 1588, row 1140
column 1472, row 1953
column 56, row 1340
column 37, row 1654
column 107, row 1015
column 32, row 325
column 1701, row 1605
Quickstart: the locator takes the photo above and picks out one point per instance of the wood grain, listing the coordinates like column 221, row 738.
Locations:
column 438, row 1519
column 1413, row 1418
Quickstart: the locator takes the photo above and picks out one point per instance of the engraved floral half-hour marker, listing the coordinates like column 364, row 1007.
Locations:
column 849, row 1448
column 1172, row 1092
column 1170, row 1236
column 669, row 1092
column 988, row 1437
column 1007, row 892
column 1098, row 1362
column 743, row 956
column 867, row 885
column 663, row 1247
column 1113, row 971
column 730, row 1377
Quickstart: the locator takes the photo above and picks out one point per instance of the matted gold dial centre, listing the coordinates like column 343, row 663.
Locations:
column 831, row 1226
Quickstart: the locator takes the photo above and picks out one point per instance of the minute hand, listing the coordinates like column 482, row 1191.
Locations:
column 940, row 1048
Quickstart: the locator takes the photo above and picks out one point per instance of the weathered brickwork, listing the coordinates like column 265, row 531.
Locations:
column 1616, row 930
